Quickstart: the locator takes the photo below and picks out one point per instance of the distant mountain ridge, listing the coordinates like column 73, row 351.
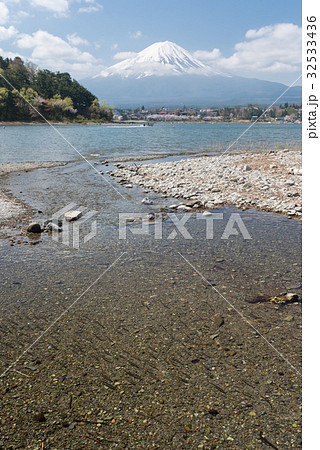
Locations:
column 165, row 74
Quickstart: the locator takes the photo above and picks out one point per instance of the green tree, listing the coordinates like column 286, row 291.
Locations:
column 4, row 103
column 25, row 102
column 59, row 108
column 100, row 111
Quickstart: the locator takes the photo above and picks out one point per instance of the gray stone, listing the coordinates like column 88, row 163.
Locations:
column 292, row 297
column 147, row 201
column 56, row 221
column 53, row 227
column 34, row 227
column 247, row 168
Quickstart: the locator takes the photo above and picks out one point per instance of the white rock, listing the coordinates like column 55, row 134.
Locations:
column 184, row 208
column 72, row 215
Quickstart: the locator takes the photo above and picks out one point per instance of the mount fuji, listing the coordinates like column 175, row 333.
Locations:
column 165, row 74
column 159, row 59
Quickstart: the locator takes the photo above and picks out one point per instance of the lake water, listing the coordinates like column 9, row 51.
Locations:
column 147, row 347
column 44, row 143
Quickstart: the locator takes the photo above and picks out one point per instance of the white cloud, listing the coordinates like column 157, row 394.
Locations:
column 23, row 14
column 136, row 34
column 208, row 56
column 93, row 6
column 266, row 53
column 57, row 6
column 7, row 33
column 74, row 39
column 124, row 55
column 52, row 52
column 46, row 45
column 11, row 55
column 4, row 13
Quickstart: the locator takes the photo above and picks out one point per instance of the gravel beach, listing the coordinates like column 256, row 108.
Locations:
column 270, row 181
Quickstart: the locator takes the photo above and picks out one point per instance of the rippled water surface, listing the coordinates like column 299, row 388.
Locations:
column 44, row 143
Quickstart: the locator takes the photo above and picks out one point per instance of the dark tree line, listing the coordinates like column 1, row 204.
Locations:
column 55, row 95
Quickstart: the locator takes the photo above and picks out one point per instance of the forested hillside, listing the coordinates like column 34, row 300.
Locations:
column 55, row 95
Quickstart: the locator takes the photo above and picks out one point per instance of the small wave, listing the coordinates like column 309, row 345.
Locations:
column 125, row 126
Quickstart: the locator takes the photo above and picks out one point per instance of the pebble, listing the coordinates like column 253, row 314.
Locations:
column 205, row 181
column 289, row 318
column 39, row 418
column 34, row 227
column 292, row 297
column 72, row 215
column 53, row 227
column 147, row 201
column 207, row 213
column 184, row 208
column 218, row 320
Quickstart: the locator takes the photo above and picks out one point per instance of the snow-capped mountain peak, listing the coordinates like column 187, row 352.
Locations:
column 169, row 53
column 160, row 58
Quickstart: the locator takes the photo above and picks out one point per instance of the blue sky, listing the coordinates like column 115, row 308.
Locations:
column 84, row 36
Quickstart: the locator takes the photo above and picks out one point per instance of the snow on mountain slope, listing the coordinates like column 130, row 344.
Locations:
column 160, row 58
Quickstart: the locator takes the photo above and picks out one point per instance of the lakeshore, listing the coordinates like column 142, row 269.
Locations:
column 10, row 207
column 269, row 181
